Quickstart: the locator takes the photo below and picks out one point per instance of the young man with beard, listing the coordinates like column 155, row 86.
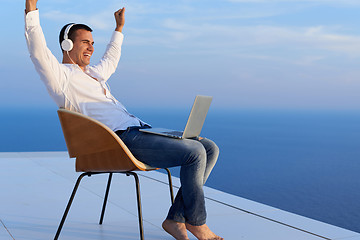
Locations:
column 76, row 85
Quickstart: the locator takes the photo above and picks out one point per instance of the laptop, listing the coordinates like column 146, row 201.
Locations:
column 194, row 124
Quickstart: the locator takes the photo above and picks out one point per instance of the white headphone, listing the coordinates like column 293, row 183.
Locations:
column 67, row 44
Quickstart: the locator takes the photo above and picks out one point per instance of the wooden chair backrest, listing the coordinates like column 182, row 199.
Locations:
column 95, row 146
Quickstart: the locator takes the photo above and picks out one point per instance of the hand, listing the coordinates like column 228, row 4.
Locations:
column 120, row 19
column 30, row 5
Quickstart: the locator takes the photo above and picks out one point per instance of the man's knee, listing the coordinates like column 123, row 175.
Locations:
column 196, row 153
column 211, row 148
column 214, row 149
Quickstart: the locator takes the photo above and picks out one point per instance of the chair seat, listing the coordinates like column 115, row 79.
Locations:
column 104, row 162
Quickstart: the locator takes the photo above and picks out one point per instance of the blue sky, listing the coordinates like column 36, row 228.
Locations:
column 272, row 54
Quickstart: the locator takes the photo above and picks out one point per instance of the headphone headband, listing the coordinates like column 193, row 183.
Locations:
column 67, row 30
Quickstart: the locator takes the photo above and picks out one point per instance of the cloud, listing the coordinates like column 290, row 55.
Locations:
column 204, row 37
column 98, row 21
column 154, row 8
column 343, row 2
column 319, row 37
column 177, row 27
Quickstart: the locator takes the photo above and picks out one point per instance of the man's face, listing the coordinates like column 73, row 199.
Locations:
column 83, row 48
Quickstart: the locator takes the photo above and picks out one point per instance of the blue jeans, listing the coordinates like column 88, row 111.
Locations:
column 196, row 158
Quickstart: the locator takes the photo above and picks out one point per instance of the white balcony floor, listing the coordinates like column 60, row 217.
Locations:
column 35, row 188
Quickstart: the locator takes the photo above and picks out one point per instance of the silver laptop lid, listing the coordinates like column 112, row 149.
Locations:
column 197, row 116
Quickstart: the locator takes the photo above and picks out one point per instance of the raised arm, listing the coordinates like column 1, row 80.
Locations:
column 46, row 64
column 110, row 60
column 30, row 5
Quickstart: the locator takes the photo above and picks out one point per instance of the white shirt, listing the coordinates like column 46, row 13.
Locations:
column 74, row 89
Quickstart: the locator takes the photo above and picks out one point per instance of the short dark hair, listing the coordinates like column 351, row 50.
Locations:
column 73, row 29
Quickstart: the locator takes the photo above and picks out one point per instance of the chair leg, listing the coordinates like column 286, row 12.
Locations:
column 69, row 204
column 105, row 199
column 106, row 196
column 170, row 185
column 138, row 203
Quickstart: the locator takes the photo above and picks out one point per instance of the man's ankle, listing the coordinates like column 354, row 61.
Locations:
column 175, row 229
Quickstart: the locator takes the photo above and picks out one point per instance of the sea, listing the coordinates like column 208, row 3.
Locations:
column 303, row 161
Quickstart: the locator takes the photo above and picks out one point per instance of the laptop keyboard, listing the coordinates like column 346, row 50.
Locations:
column 176, row 133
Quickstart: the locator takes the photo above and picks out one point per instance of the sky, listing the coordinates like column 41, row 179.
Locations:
column 248, row 54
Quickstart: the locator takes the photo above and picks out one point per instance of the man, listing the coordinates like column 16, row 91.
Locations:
column 77, row 86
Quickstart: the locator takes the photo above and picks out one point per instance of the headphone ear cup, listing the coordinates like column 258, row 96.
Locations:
column 67, row 45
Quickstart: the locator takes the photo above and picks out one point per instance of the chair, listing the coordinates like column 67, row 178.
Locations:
column 98, row 150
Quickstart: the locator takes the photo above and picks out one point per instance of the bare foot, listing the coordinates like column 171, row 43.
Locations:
column 202, row 232
column 175, row 229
